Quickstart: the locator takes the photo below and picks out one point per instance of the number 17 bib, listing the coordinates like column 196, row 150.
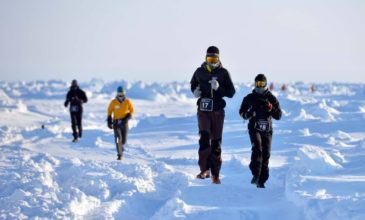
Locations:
column 206, row 105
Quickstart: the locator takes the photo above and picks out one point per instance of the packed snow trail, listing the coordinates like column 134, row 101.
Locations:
column 316, row 167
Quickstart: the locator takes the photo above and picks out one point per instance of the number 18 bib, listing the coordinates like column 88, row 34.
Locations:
column 263, row 125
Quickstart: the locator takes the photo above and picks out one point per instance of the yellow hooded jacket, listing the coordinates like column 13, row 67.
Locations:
column 120, row 109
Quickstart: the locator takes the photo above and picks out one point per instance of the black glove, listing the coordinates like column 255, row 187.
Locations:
column 110, row 122
column 66, row 103
column 127, row 117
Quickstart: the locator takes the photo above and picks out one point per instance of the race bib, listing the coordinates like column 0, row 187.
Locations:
column 262, row 125
column 206, row 105
column 74, row 108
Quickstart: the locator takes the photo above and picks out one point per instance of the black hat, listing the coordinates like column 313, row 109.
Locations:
column 74, row 82
column 213, row 51
column 260, row 77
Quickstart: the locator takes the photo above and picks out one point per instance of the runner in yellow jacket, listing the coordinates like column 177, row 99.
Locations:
column 120, row 110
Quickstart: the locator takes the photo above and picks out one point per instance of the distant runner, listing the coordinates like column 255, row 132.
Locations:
column 76, row 98
column 121, row 108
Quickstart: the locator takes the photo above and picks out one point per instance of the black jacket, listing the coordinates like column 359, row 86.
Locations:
column 201, row 78
column 255, row 102
column 75, row 97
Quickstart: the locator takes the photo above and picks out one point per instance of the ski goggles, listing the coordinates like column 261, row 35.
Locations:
column 212, row 59
column 120, row 93
column 260, row 83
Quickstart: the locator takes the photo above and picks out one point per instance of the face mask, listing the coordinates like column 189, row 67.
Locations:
column 121, row 98
column 260, row 90
column 213, row 65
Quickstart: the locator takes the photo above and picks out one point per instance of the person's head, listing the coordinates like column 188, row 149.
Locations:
column 74, row 84
column 212, row 57
column 260, row 83
column 120, row 91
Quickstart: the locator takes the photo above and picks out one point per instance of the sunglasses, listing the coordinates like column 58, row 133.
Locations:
column 260, row 84
column 212, row 59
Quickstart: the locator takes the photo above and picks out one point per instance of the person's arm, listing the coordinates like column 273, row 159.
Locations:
column 276, row 112
column 194, row 82
column 109, row 118
column 67, row 101
column 84, row 97
column 110, row 108
column 129, row 115
column 246, row 111
column 131, row 108
column 226, row 88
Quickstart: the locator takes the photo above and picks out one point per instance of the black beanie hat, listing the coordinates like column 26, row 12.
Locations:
column 74, row 83
column 213, row 51
column 260, row 77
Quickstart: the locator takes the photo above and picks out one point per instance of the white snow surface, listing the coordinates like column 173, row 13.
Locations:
column 317, row 165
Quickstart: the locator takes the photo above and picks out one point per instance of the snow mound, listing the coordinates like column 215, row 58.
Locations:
column 343, row 135
column 301, row 100
column 10, row 104
column 312, row 184
column 342, row 139
column 338, row 143
column 5, row 100
column 305, row 132
column 362, row 109
column 341, row 90
column 327, row 113
column 316, row 159
column 304, row 116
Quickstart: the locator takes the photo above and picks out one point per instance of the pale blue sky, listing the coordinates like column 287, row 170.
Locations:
column 166, row 40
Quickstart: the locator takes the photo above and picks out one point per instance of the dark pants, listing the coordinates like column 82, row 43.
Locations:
column 261, row 147
column 210, row 130
column 76, row 124
column 120, row 135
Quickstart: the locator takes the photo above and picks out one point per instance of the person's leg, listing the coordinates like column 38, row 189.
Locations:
column 74, row 125
column 256, row 154
column 266, row 149
column 204, row 142
column 79, row 123
column 118, row 140
column 217, row 120
column 124, row 134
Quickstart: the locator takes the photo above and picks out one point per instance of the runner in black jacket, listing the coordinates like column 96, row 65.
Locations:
column 76, row 97
column 210, row 83
column 259, row 107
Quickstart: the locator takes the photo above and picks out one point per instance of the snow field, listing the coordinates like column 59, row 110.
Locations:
column 316, row 166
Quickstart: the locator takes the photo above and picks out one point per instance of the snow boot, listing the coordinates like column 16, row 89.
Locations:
column 74, row 140
column 216, row 180
column 260, row 185
column 207, row 174
column 254, row 180
column 119, row 157
column 203, row 175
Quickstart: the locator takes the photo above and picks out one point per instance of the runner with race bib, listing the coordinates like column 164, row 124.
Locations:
column 259, row 107
column 76, row 97
column 210, row 83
